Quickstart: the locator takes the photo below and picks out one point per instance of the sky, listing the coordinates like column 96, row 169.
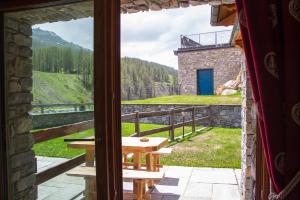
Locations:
column 151, row 36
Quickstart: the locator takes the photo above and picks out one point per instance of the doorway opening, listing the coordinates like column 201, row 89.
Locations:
column 25, row 89
column 205, row 81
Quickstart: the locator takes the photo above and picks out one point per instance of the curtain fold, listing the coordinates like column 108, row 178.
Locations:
column 271, row 38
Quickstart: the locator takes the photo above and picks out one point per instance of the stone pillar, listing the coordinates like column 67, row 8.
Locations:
column 18, row 66
column 248, row 160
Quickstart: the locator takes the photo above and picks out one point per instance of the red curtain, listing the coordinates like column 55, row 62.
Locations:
column 271, row 38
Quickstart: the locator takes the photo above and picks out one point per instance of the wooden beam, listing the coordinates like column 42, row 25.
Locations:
column 228, row 20
column 50, row 173
column 107, row 99
column 3, row 141
column 226, row 15
column 52, row 133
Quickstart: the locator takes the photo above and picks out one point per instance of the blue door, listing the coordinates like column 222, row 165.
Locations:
column 205, row 82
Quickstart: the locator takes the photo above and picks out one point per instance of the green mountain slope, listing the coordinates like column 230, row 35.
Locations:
column 53, row 88
column 68, row 65
column 43, row 38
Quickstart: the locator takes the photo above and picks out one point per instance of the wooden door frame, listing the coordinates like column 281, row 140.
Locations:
column 3, row 141
column 106, row 96
column 108, row 103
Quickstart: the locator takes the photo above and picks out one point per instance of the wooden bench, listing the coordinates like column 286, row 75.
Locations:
column 156, row 157
column 138, row 177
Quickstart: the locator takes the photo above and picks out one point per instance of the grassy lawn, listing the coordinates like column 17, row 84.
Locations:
column 189, row 99
column 217, row 147
column 58, row 148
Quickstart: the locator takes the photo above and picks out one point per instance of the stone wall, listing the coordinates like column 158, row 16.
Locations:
column 225, row 62
column 222, row 115
column 59, row 119
column 18, row 67
column 228, row 116
column 248, row 160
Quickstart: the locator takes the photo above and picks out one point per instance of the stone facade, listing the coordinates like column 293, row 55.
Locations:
column 228, row 116
column 225, row 62
column 18, row 67
column 248, row 160
column 59, row 119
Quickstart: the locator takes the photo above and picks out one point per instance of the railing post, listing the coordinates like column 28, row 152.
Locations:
column 193, row 120
column 209, row 116
column 172, row 120
column 200, row 38
column 183, row 126
column 216, row 39
column 75, row 108
column 137, row 123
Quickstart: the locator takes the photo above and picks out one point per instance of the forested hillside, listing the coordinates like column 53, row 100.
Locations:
column 50, row 88
column 139, row 78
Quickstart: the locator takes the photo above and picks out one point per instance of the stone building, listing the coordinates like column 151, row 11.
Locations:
column 207, row 61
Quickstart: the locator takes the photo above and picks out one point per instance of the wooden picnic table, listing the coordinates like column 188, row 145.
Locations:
column 129, row 145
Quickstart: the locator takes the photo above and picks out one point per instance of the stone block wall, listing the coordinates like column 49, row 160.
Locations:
column 228, row 116
column 248, row 161
column 225, row 62
column 59, row 119
column 18, row 67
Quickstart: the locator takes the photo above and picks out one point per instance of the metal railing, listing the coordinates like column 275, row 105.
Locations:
column 204, row 40
column 58, row 108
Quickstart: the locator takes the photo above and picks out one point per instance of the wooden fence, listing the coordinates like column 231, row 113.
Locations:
column 56, row 132
column 137, row 116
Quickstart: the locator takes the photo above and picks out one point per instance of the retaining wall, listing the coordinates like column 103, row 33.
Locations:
column 227, row 116
column 59, row 119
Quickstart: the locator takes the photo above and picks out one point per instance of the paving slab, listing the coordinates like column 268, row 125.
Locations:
column 179, row 183
column 199, row 190
column 213, row 175
column 165, row 188
column 178, row 172
column 225, row 191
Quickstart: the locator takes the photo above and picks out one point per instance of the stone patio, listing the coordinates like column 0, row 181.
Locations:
column 184, row 183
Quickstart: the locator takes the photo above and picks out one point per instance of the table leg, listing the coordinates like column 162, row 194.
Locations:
column 90, row 192
column 125, row 160
column 140, row 189
column 136, row 165
column 156, row 163
column 137, row 160
column 149, row 167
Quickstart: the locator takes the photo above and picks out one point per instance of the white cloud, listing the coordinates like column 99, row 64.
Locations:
column 147, row 35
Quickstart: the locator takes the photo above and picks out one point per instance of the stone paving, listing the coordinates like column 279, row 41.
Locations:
column 180, row 183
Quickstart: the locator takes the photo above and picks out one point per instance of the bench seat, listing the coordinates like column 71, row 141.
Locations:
column 163, row 151
column 128, row 174
column 139, row 178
